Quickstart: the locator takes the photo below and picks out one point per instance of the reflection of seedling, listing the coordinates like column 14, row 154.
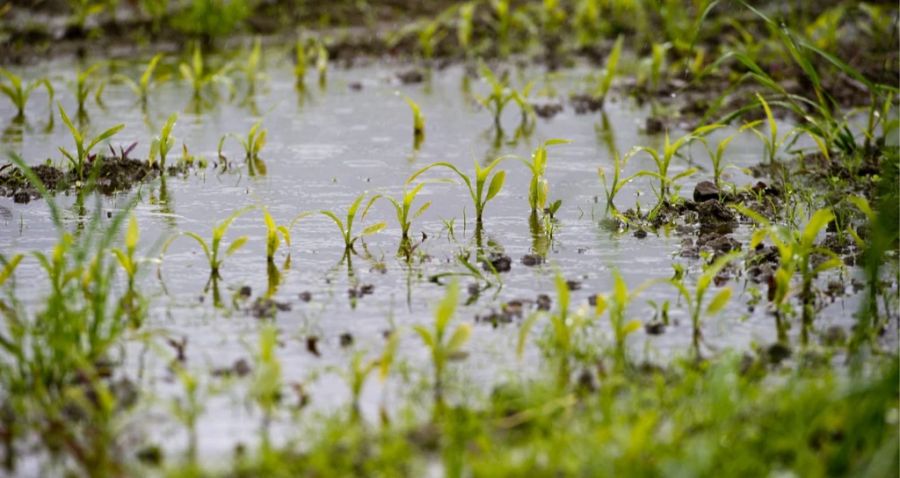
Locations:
column 141, row 88
column 162, row 144
column 539, row 188
column 480, row 196
column 442, row 345
column 695, row 299
column 346, row 228
column 212, row 249
column 82, row 155
column 18, row 92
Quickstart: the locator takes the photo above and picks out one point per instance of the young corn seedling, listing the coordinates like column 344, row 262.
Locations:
column 275, row 234
column 213, row 249
column 322, row 63
column 163, row 143
column 609, row 73
column 663, row 160
column 418, row 122
column 18, row 91
column 360, row 369
column 267, row 381
column 564, row 328
column 499, row 96
column 199, row 75
column 717, row 156
column 464, row 26
column 539, row 188
column 346, row 227
column 697, row 308
column 129, row 262
column 477, row 191
column 503, row 25
column 83, row 146
column 796, row 249
column 615, row 185
column 251, row 68
column 141, row 88
column 301, row 60
column 252, row 144
column 772, row 142
column 84, row 85
column 405, row 215
column 443, row 345
column 616, row 303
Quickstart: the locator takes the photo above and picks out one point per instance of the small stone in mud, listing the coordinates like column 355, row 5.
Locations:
column 531, row 260
column 411, row 76
column 513, row 308
column 245, row 292
column 777, row 352
column 150, row 455
column 705, row 191
column 653, row 125
column 543, row 302
column 305, row 296
column 366, row 289
column 499, row 262
column 355, row 86
column 640, row 234
column 655, row 327
column 592, row 300
column 312, row 345
column 473, row 289
column 586, row 103
column 547, row 110
column 346, row 339
column 715, row 217
column 21, row 197
column 834, row 336
column 573, row 285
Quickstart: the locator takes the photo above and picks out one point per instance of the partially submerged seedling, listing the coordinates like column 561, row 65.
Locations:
column 267, row 380
column 275, row 233
column 616, row 303
column 18, row 91
column 129, row 262
column 615, row 185
column 322, row 63
column 163, row 143
column 500, row 96
column 695, row 300
column 253, row 143
column 212, row 249
column 418, row 122
column 360, row 369
column 405, row 215
column 82, row 156
column 346, row 227
column 84, row 85
column 480, row 196
column 539, row 188
column 199, row 75
column 663, row 160
column 141, row 88
column 443, row 345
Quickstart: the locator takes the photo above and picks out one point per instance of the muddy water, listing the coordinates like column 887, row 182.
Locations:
column 325, row 146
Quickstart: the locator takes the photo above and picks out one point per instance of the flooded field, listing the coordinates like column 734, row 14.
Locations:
column 652, row 246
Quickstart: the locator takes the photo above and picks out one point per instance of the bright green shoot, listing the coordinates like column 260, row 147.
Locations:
column 346, row 227
column 539, row 188
column 126, row 257
column 83, row 146
column 617, row 182
column 301, row 60
column 267, row 381
column 477, row 191
column 18, row 91
column 253, row 143
column 404, row 209
column 609, row 73
column 322, row 62
column 499, row 96
column 141, row 88
column 360, row 369
column 771, row 141
column 697, row 307
column 444, row 345
column 796, row 249
column 163, row 143
column 213, row 249
column 617, row 303
column 418, row 121
column 198, row 75
column 275, row 233
column 663, row 160
column 717, row 155
column 464, row 25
